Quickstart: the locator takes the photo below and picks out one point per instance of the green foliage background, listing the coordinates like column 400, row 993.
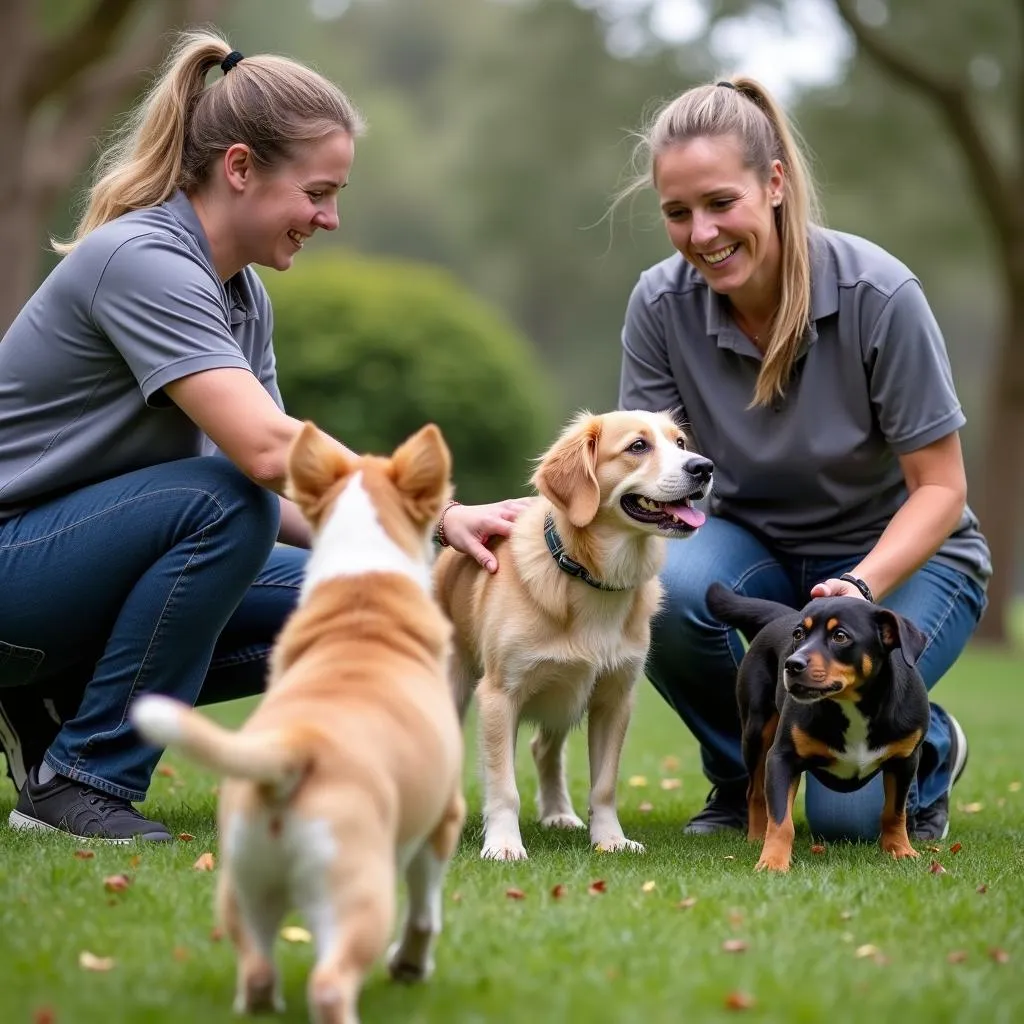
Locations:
column 371, row 349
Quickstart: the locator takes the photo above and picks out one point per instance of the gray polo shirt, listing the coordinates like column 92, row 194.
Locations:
column 817, row 472
column 136, row 305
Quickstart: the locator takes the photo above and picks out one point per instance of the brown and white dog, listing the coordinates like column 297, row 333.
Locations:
column 350, row 768
column 562, row 629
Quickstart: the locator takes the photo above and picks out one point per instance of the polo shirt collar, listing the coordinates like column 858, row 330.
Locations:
column 824, row 302
column 240, row 296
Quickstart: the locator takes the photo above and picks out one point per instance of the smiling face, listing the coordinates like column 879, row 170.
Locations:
column 720, row 215
column 284, row 205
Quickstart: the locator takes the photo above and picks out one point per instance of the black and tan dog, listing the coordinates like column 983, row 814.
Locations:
column 833, row 690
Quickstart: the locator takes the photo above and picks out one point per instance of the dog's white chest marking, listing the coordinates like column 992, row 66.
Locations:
column 353, row 542
column 281, row 862
column 857, row 758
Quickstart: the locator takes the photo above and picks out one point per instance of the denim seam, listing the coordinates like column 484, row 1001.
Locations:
column 112, row 508
column 230, row 660
column 945, row 615
column 78, row 775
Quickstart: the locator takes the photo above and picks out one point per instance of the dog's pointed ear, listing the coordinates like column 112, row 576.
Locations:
column 421, row 468
column 567, row 475
column 899, row 632
column 315, row 463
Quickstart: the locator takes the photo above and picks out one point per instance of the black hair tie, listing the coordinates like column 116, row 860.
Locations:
column 725, row 84
column 231, row 60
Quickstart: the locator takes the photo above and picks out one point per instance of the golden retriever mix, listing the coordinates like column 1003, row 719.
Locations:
column 562, row 629
column 350, row 768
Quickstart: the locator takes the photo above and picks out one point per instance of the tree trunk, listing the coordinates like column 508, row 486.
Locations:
column 20, row 221
column 1003, row 461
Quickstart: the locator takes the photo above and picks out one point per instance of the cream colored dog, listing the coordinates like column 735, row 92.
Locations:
column 351, row 764
column 562, row 629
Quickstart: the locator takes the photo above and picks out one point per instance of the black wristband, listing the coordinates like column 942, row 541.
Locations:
column 860, row 585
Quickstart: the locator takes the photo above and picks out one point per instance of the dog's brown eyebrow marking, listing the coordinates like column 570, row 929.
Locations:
column 808, row 623
column 831, row 624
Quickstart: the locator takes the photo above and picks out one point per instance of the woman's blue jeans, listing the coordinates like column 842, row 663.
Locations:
column 694, row 657
column 165, row 580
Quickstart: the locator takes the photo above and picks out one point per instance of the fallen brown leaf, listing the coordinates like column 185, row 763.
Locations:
column 515, row 894
column 649, row 886
column 205, row 862
column 186, row 837
column 818, row 848
column 44, row 1015
column 670, row 763
column 865, row 951
column 958, row 956
column 936, row 868
column 638, row 781
column 85, row 854
column 1014, row 787
column 293, row 933
column 597, row 887
column 181, row 954
column 134, row 862
column 934, row 849
column 687, row 903
column 983, row 888
column 956, row 848
column 558, row 891
column 90, row 962
column 116, row 883
column 216, row 934
column 456, row 897
column 671, row 783
column 971, row 808
column 734, row 946
column 646, row 807
column 166, row 771
column 1000, row 956
column 739, row 1001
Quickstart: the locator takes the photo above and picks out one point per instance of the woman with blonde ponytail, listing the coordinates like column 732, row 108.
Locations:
column 143, row 437
column 808, row 366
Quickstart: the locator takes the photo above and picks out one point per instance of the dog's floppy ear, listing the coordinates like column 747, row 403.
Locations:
column 567, row 475
column 421, row 468
column 315, row 463
column 900, row 632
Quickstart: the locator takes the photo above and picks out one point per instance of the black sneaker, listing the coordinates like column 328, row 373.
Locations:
column 726, row 808
column 932, row 822
column 64, row 805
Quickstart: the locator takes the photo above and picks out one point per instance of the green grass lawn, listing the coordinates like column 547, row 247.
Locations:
column 628, row 954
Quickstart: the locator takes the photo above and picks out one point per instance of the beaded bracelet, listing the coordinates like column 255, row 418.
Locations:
column 439, row 534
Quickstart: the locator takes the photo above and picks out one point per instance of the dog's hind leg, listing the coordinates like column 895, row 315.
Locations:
column 897, row 775
column 610, row 708
column 251, row 921
column 411, row 958
column 554, row 805
column 756, row 744
column 351, row 922
column 463, row 677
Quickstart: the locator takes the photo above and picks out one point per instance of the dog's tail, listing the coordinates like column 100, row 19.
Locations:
column 748, row 614
column 266, row 758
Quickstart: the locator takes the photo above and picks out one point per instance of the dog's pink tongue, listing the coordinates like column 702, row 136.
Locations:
column 689, row 515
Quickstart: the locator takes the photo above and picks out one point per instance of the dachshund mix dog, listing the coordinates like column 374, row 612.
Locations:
column 349, row 771
column 562, row 629
column 833, row 690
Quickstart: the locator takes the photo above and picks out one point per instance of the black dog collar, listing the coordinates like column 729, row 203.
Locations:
column 565, row 563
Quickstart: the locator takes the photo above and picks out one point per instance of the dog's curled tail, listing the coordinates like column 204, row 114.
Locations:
column 262, row 758
column 748, row 614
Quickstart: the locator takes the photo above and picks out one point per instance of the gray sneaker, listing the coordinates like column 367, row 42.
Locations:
column 724, row 811
column 64, row 805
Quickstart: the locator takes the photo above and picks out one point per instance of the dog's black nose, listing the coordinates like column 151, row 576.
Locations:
column 795, row 664
column 699, row 467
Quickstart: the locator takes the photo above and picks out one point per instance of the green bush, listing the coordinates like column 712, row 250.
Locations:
column 371, row 349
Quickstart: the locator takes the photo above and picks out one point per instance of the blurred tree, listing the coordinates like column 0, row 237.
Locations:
column 69, row 66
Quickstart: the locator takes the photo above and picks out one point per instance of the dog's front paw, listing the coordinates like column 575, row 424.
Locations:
column 899, row 848
column 405, row 968
column 503, row 850
column 773, row 862
column 616, row 844
column 564, row 820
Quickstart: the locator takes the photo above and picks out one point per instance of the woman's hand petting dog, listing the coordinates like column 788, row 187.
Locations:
column 468, row 528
